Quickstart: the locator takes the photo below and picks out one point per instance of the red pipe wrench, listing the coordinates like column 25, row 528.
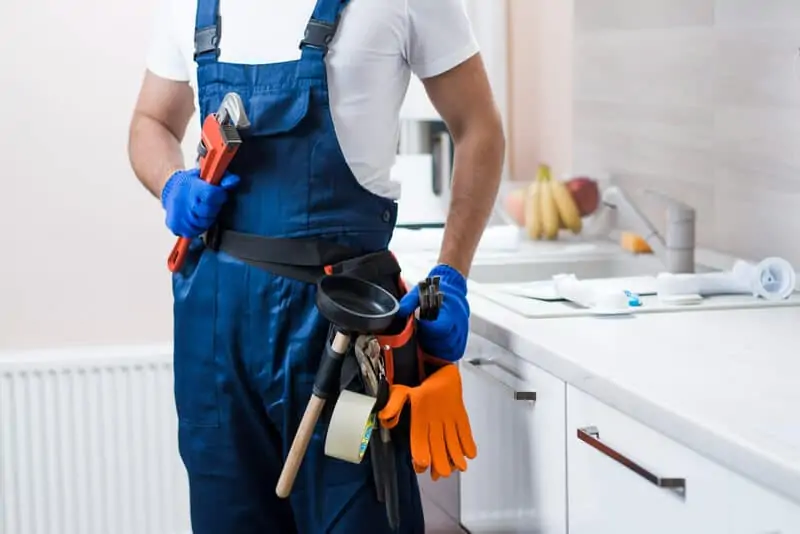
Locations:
column 219, row 142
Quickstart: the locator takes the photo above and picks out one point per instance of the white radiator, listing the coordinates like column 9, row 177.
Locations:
column 88, row 443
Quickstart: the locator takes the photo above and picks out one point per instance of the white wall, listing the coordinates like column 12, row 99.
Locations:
column 83, row 245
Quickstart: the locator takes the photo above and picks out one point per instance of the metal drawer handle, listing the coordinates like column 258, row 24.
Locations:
column 591, row 436
column 477, row 363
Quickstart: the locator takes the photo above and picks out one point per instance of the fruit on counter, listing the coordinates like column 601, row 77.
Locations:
column 549, row 207
column 533, row 215
column 515, row 205
column 567, row 207
column 547, row 204
column 634, row 243
column 586, row 194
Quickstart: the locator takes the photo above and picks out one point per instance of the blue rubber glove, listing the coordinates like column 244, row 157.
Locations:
column 191, row 204
column 446, row 337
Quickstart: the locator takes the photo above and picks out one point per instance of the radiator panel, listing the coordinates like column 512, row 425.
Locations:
column 89, row 446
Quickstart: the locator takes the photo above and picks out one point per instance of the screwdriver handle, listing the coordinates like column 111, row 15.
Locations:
column 430, row 298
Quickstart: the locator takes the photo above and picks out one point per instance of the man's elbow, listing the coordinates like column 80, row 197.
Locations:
column 133, row 128
column 497, row 133
column 484, row 135
column 138, row 123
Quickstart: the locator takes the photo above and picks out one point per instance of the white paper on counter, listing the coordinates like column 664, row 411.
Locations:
column 546, row 289
column 418, row 204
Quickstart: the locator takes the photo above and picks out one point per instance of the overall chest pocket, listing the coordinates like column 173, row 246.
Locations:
column 271, row 112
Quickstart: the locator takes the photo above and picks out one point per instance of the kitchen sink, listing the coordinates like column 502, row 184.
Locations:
column 526, row 288
column 488, row 272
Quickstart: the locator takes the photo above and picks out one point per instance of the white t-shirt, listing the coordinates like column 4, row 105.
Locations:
column 378, row 45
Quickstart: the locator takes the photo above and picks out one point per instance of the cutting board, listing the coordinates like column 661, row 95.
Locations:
column 546, row 290
column 550, row 309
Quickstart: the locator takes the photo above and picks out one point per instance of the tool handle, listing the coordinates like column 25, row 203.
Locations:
column 218, row 144
column 213, row 175
column 430, row 299
column 377, row 470
column 340, row 343
column 212, row 170
column 391, row 492
column 339, row 346
column 299, row 446
column 178, row 254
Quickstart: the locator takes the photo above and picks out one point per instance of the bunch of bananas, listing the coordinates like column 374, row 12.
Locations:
column 549, row 207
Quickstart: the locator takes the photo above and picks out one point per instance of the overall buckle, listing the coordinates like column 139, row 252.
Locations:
column 207, row 39
column 319, row 34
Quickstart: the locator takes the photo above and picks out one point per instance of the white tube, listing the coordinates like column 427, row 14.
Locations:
column 570, row 288
column 771, row 279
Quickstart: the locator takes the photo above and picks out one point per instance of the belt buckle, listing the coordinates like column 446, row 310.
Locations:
column 212, row 238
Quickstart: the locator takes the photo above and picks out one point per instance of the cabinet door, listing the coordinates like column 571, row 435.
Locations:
column 517, row 484
column 610, row 490
column 626, row 478
column 755, row 510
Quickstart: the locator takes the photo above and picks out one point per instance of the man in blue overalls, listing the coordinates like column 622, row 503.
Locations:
column 308, row 188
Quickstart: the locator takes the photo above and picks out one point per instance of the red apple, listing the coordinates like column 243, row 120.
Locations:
column 586, row 194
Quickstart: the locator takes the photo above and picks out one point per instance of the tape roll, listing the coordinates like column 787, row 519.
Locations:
column 350, row 428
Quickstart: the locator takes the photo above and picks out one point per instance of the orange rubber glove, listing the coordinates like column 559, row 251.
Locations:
column 441, row 437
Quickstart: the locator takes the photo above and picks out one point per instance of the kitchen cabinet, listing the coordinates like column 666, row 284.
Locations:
column 626, row 478
column 517, row 484
column 756, row 510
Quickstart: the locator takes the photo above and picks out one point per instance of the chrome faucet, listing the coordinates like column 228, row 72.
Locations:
column 676, row 247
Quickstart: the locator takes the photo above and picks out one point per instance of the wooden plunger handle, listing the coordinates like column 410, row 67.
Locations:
column 306, row 429
column 299, row 446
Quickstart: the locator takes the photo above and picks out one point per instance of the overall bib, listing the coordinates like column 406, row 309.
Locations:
column 248, row 339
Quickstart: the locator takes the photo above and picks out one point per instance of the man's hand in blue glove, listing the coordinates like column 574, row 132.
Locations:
column 446, row 337
column 191, row 204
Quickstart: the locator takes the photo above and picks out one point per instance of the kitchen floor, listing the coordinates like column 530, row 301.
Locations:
column 436, row 520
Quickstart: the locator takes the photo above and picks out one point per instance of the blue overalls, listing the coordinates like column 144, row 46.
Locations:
column 248, row 340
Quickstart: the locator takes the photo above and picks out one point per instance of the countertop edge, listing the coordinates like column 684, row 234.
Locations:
column 767, row 471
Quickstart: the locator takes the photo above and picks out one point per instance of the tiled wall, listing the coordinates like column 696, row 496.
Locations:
column 699, row 99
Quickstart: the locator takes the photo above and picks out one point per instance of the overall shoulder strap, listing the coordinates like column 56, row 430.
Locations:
column 207, row 31
column 321, row 28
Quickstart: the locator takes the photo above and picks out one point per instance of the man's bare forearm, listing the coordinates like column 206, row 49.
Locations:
column 155, row 153
column 479, row 155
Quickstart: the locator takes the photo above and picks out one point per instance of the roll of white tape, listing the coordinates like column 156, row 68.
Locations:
column 351, row 427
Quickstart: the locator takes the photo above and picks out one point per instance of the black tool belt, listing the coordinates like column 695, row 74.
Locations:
column 305, row 259
column 309, row 259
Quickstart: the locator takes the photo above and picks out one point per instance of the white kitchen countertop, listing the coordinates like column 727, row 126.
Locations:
column 726, row 384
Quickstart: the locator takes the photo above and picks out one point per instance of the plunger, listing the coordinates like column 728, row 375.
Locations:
column 352, row 305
